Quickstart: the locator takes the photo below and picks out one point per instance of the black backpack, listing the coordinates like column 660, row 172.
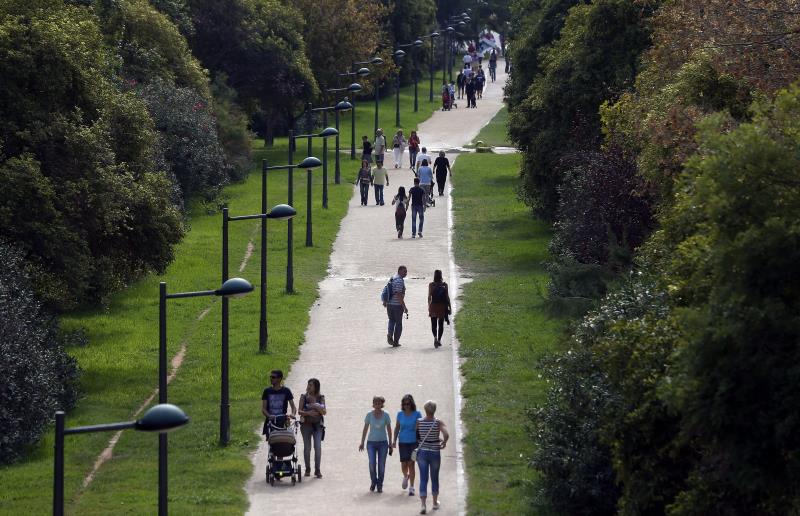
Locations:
column 439, row 295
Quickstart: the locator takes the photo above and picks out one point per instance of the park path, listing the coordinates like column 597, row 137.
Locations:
column 345, row 343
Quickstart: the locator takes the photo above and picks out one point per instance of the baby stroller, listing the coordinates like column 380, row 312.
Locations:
column 447, row 99
column 282, row 458
column 430, row 200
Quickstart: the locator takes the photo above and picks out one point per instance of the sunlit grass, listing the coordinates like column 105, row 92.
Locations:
column 503, row 329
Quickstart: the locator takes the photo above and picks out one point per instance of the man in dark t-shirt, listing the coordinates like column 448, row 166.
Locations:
column 441, row 167
column 276, row 400
column 417, row 195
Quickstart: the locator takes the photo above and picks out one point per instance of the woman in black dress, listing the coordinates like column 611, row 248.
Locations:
column 441, row 167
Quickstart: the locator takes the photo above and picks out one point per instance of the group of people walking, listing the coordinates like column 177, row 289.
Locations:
column 419, row 440
column 428, row 173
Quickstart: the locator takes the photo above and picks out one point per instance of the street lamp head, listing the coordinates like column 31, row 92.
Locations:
column 399, row 54
column 462, row 24
column 310, row 162
column 343, row 106
column 162, row 418
column 434, row 35
column 363, row 72
column 418, row 43
column 282, row 212
column 450, row 29
column 328, row 131
column 355, row 87
column 376, row 61
column 234, row 287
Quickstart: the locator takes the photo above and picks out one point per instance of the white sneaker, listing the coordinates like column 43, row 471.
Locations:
column 423, row 510
column 405, row 482
column 411, row 491
column 435, row 506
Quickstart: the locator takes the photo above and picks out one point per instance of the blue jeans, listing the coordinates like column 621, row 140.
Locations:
column 417, row 210
column 309, row 432
column 364, row 190
column 395, row 313
column 412, row 155
column 378, row 194
column 428, row 462
column 377, row 450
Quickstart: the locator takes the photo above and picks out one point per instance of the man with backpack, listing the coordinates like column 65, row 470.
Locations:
column 393, row 297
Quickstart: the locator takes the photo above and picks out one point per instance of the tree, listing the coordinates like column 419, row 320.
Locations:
column 81, row 195
column 258, row 44
column 339, row 32
column 593, row 60
column 410, row 19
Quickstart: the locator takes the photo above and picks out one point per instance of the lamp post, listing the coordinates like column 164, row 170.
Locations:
column 449, row 30
column 326, row 133
column 432, row 36
column 398, row 56
column 415, row 44
column 162, row 418
column 235, row 287
column 353, row 88
column 340, row 106
column 361, row 72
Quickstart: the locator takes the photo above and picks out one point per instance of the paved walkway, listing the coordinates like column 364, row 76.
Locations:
column 346, row 349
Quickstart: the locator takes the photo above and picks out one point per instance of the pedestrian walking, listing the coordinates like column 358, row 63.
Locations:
column 417, row 195
column 380, row 178
column 433, row 437
column 312, row 424
column 480, row 82
column 366, row 150
column 379, row 147
column 425, row 174
column 364, row 179
column 493, row 65
column 470, row 89
column 405, row 439
column 442, row 168
column 396, row 306
column 460, row 80
column 401, row 200
column 413, row 149
column 398, row 148
column 275, row 402
column 422, row 156
column 439, row 308
column 379, row 425
column 467, row 60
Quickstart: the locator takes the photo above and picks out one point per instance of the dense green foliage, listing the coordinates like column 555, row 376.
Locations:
column 676, row 393
column 38, row 376
column 82, row 196
column 593, row 60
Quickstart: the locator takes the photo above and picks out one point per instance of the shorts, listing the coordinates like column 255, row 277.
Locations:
column 405, row 451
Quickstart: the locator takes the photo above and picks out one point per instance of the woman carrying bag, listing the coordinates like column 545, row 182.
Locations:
column 428, row 454
column 312, row 424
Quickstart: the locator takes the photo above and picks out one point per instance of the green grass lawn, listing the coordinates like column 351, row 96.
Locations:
column 503, row 328
column 120, row 362
column 495, row 133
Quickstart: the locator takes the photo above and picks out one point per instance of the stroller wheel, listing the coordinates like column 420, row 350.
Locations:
column 271, row 480
column 294, row 480
column 299, row 473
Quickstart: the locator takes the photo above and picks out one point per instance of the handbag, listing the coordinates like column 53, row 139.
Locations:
column 416, row 450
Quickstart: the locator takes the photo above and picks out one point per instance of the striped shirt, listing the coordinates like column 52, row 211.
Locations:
column 398, row 289
column 431, row 430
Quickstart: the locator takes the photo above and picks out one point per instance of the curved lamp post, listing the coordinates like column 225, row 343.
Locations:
column 415, row 44
column 360, row 72
column 398, row 57
column 235, row 287
column 432, row 36
column 280, row 212
column 326, row 133
column 338, row 107
column 353, row 88
column 161, row 418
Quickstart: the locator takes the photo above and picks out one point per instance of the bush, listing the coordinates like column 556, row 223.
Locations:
column 38, row 376
column 188, row 138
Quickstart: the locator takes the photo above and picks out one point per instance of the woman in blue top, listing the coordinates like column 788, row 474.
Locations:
column 379, row 425
column 405, row 438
